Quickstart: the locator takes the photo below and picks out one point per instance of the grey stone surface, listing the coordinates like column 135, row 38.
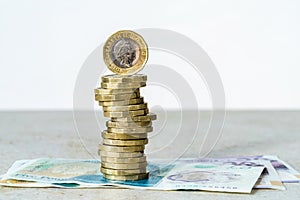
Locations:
column 26, row 135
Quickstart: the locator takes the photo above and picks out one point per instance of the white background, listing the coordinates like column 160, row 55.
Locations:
column 254, row 44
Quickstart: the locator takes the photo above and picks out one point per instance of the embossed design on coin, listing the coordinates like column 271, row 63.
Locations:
column 125, row 52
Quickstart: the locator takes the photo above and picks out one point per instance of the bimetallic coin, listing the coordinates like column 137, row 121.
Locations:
column 125, row 52
column 125, row 108
column 112, row 124
column 121, row 154
column 115, row 91
column 133, row 85
column 116, row 97
column 124, row 160
column 123, row 165
column 122, row 103
column 122, row 136
column 123, row 171
column 144, row 118
column 126, row 113
column 125, row 142
column 130, row 130
column 127, row 177
column 104, row 147
column 115, row 78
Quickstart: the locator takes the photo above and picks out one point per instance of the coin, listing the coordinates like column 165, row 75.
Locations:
column 116, row 97
column 125, row 108
column 127, row 177
column 112, row 124
column 115, row 91
column 121, row 154
column 104, row 147
column 131, row 130
column 126, row 113
column 122, row 103
column 125, row 52
column 114, row 78
column 123, row 171
column 122, row 136
column 123, row 165
column 125, row 142
column 133, row 85
column 123, row 160
column 149, row 117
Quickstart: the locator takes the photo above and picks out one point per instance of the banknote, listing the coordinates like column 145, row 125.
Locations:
column 269, row 179
column 212, row 177
column 286, row 172
column 180, row 175
column 20, row 183
column 71, row 173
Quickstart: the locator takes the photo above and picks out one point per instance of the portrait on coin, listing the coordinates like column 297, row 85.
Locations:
column 125, row 53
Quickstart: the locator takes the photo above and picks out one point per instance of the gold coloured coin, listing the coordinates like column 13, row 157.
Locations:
column 115, row 78
column 126, row 113
column 121, row 154
column 123, row 160
column 122, row 103
column 149, row 117
column 122, row 136
column 116, row 97
column 112, row 124
column 125, row 142
column 125, row 52
column 104, row 147
column 115, row 91
column 133, row 85
column 127, row 177
column 123, row 165
column 123, row 171
column 125, row 108
column 131, row 130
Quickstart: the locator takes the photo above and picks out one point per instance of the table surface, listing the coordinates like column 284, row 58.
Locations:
column 28, row 135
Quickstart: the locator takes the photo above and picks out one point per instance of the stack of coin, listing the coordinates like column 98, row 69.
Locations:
column 124, row 140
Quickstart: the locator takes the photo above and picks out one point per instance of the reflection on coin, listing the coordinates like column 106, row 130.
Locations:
column 116, row 97
column 125, row 108
column 112, row 124
column 126, row 113
column 115, row 91
column 104, row 147
column 125, row 52
column 122, row 136
column 149, row 117
column 131, row 130
column 125, row 142
column 123, row 165
column 114, row 78
column 133, row 85
column 123, row 171
column 127, row 178
column 122, row 103
column 121, row 154
column 123, row 160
